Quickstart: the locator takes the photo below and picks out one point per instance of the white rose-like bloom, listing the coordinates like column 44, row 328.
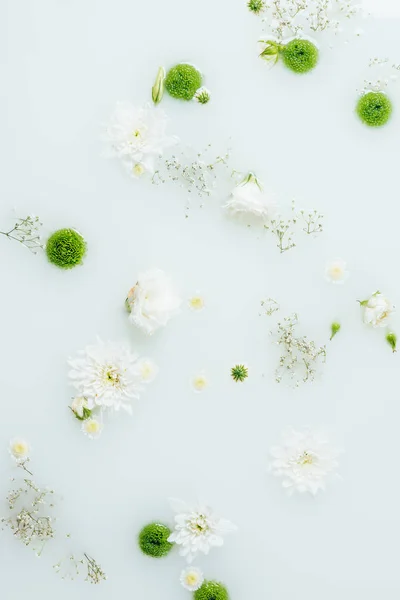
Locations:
column 78, row 405
column 152, row 301
column 304, row 461
column 248, row 198
column 192, row 578
column 197, row 529
column 19, row 449
column 336, row 271
column 377, row 310
column 107, row 375
column 138, row 136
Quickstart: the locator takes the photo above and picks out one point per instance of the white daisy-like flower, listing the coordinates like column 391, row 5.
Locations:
column 336, row 271
column 107, row 375
column 147, row 369
column 78, row 406
column 377, row 310
column 152, row 301
column 197, row 529
column 92, row 428
column 19, row 449
column 138, row 136
column 199, row 382
column 192, row 578
column 196, row 302
column 304, row 460
column 248, row 198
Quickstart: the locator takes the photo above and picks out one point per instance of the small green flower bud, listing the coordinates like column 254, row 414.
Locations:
column 335, row 327
column 202, row 96
column 157, row 91
column 391, row 339
column 239, row 373
column 256, row 6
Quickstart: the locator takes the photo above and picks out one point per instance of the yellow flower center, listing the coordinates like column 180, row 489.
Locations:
column 92, row 427
column 19, row 448
column 138, row 170
column 146, row 371
column 197, row 303
column 191, row 578
column 199, row 383
column 305, row 459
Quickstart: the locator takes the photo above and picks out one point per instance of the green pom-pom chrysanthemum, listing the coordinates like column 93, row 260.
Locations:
column 374, row 109
column 300, row 56
column 65, row 248
column 153, row 540
column 256, row 6
column 182, row 81
column 239, row 372
column 211, row 590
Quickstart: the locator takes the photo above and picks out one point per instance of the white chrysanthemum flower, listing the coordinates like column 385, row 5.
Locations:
column 196, row 302
column 336, row 271
column 248, row 198
column 304, row 461
column 152, row 301
column 199, row 382
column 138, row 136
column 92, row 428
column 19, row 449
column 107, row 375
column 192, row 578
column 197, row 529
column 377, row 310
column 78, row 406
column 147, row 369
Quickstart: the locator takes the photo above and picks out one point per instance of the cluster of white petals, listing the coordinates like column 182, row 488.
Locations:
column 377, row 310
column 152, row 301
column 248, row 198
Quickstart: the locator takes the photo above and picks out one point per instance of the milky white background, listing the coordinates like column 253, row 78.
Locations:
column 64, row 65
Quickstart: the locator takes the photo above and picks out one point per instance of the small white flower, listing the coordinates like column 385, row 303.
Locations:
column 249, row 198
column 199, row 382
column 138, row 136
column 197, row 529
column 107, row 375
column 192, row 578
column 377, row 310
column 152, row 301
column 148, row 369
column 92, row 428
column 78, row 405
column 336, row 271
column 19, row 449
column 196, row 302
column 303, row 461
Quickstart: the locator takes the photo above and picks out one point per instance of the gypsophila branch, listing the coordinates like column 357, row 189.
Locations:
column 312, row 221
column 26, row 232
column 300, row 356
column 270, row 306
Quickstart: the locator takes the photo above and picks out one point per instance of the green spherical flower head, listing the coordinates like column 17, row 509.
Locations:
column 182, row 81
column 300, row 56
column 256, row 6
column 211, row 590
column 374, row 109
column 66, row 248
column 153, row 540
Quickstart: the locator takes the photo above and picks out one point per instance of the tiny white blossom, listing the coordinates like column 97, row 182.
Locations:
column 248, row 198
column 197, row 529
column 336, row 271
column 138, row 136
column 19, row 449
column 377, row 310
column 92, row 428
column 196, row 302
column 304, row 460
column 199, row 382
column 152, row 301
column 148, row 370
column 192, row 578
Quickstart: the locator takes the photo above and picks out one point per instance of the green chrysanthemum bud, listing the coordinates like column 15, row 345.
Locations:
column 335, row 327
column 202, row 96
column 182, row 81
column 153, row 540
column 211, row 590
column 391, row 339
column 256, row 6
column 66, row 248
column 239, row 373
column 157, row 91
column 300, row 56
column 374, row 109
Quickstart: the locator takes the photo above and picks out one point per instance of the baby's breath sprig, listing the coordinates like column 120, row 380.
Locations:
column 239, row 373
column 270, row 306
column 300, row 356
column 72, row 567
column 282, row 228
column 26, row 232
column 312, row 221
column 198, row 174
